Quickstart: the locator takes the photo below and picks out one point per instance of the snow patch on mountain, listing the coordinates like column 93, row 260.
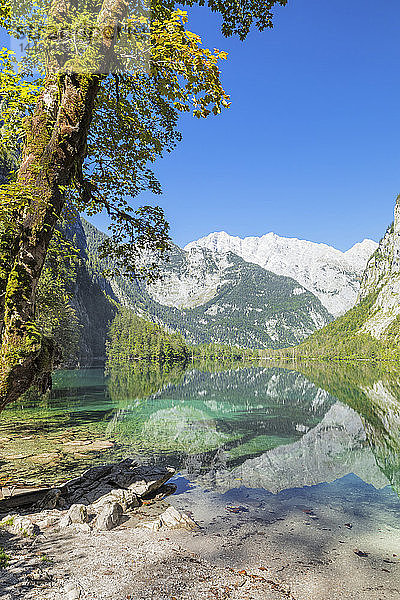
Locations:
column 333, row 276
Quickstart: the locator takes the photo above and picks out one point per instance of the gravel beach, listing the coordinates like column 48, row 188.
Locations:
column 271, row 548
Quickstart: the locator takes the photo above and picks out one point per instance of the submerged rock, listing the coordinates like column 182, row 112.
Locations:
column 83, row 446
column 17, row 456
column 45, row 458
column 174, row 519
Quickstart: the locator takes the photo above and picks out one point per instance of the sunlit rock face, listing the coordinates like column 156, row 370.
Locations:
column 334, row 448
column 333, row 276
column 190, row 279
column 382, row 276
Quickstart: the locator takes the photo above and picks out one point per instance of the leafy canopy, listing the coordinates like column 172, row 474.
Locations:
column 157, row 70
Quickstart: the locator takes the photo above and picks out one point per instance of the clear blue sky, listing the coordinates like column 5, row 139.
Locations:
column 310, row 146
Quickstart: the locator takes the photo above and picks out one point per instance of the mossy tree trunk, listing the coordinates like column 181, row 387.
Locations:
column 53, row 153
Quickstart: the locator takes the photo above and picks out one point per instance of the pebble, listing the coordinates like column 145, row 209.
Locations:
column 72, row 590
column 82, row 527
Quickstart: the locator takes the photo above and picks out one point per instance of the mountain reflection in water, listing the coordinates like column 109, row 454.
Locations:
column 270, row 427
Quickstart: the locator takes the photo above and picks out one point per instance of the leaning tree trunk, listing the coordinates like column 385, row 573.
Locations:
column 54, row 150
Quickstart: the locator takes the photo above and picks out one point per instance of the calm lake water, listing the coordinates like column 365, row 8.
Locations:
column 277, row 430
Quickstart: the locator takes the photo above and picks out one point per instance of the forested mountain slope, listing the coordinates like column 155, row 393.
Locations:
column 92, row 299
column 220, row 298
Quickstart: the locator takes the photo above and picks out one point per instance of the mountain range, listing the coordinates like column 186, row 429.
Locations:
column 331, row 275
column 267, row 292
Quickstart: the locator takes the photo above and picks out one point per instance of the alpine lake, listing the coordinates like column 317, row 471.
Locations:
column 298, row 434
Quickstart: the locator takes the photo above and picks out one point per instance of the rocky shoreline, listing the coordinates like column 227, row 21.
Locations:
column 103, row 498
column 100, row 499
column 58, row 528
column 115, row 533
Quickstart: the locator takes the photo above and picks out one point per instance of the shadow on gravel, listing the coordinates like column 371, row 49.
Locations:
column 300, row 543
column 21, row 571
column 28, row 567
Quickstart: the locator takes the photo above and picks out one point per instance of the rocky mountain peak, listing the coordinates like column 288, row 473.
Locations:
column 359, row 253
column 333, row 276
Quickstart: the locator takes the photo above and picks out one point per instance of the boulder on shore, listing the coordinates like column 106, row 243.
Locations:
column 95, row 500
column 137, row 480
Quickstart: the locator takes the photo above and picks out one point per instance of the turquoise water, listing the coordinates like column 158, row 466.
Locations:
column 269, row 428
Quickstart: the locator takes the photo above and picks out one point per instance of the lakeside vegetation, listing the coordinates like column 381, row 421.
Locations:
column 94, row 148
column 56, row 318
column 133, row 338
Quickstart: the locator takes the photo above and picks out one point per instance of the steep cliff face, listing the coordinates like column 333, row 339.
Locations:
column 189, row 279
column 371, row 329
column 93, row 300
column 382, row 277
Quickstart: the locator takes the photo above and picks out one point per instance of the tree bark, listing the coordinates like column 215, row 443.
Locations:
column 53, row 154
